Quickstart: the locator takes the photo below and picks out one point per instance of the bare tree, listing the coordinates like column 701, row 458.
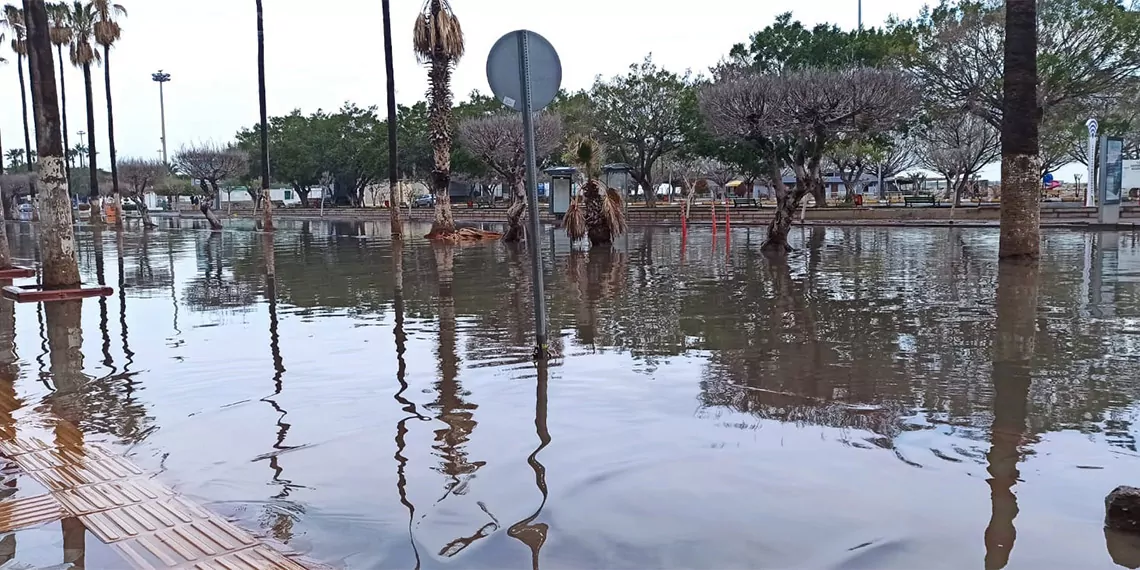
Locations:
column 794, row 117
column 899, row 155
column 209, row 164
column 141, row 176
column 498, row 142
column 958, row 146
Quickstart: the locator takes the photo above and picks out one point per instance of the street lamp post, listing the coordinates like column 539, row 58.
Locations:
column 82, row 157
column 161, row 78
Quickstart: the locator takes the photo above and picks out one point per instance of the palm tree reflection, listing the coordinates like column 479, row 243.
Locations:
column 1013, row 349
column 449, row 404
column 407, row 406
column 279, row 522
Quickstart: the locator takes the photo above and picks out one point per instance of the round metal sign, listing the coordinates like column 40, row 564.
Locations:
column 504, row 70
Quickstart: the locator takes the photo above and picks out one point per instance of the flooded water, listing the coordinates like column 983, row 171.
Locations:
column 887, row 398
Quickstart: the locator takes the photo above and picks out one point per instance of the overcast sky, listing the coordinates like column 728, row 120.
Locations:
column 321, row 54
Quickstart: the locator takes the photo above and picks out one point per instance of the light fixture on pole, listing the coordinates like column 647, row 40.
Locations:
column 161, row 78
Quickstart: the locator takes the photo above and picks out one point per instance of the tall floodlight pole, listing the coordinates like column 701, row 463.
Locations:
column 161, row 78
column 860, row 15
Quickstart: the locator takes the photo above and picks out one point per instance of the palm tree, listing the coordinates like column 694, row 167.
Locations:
column 83, row 55
column 1020, row 178
column 267, row 209
column 2, row 60
column 393, row 164
column 107, row 32
column 14, row 20
column 438, row 42
column 60, row 18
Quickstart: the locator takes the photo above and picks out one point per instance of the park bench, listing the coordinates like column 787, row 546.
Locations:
column 929, row 200
column 485, row 202
column 745, row 203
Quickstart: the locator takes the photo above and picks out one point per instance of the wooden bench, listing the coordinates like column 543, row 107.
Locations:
column 485, row 202
column 929, row 200
column 745, row 203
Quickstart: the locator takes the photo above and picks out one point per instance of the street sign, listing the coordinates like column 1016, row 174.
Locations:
column 525, row 73
column 503, row 70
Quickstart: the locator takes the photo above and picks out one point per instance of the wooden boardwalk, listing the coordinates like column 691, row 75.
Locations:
column 145, row 522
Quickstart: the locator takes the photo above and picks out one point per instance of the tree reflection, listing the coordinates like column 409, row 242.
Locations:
column 406, row 405
column 214, row 290
column 1013, row 349
column 280, row 523
column 449, row 405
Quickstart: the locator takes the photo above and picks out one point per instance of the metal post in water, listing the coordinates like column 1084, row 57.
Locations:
column 541, row 349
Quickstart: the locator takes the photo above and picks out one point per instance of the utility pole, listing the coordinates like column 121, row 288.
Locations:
column 161, row 78
column 860, row 15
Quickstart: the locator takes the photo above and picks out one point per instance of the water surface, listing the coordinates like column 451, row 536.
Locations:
column 885, row 398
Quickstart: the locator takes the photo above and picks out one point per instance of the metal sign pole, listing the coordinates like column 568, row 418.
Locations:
column 541, row 349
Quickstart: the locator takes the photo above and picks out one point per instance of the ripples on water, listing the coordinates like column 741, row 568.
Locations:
column 887, row 398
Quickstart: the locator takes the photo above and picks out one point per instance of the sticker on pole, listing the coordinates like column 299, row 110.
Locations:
column 504, row 68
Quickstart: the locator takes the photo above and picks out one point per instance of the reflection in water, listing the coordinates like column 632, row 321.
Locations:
column 449, row 405
column 100, row 275
column 65, row 342
column 407, row 406
column 851, row 363
column 280, row 519
column 527, row 531
column 1014, row 344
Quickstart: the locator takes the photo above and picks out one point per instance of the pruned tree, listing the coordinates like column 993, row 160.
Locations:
column 498, row 142
column 958, row 146
column 210, row 164
column 793, row 118
column 899, row 154
column 639, row 118
column 141, row 176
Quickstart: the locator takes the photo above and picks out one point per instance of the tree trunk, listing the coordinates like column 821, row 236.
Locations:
column 57, row 240
column 516, row 232
column 93, row 196
column 393, row 157
column 205, row 206
column 24, row 107
column 5, row 253
column 302, row 194
column 781, row 224
column 111, row 137
column 1020, row 184
column 63, row 113
column 650, row 192
column 267, row 213
column 144, row 212
column 439, row 130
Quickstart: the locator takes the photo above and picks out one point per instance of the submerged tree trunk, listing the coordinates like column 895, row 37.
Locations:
column 390, row 88
column 144, row 213
column 267, row 212
column 1020, row 164
column 596, row 227
column 781, row 224
column 24, row 107
column 57, row 240
column 205, row 206
column 439, row 129
column 94, row 199
column 111, row 138
column 516, row 231
column 5, row 253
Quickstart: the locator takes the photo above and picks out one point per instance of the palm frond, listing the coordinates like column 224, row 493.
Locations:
column 584, row 153
column 613, row 210
column 574, row 222
column 437, row 33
